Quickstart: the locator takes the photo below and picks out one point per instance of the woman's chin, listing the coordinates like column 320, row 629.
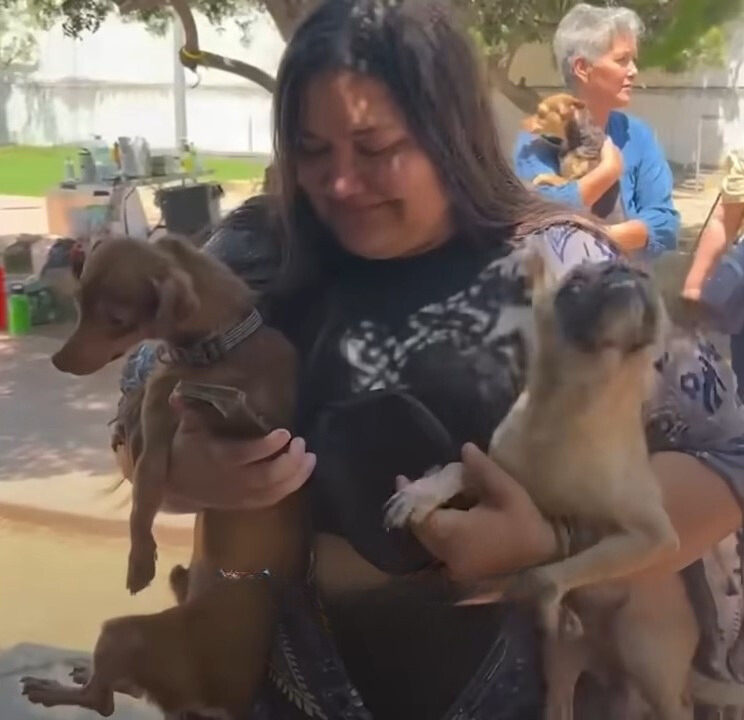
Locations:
column 623, row 98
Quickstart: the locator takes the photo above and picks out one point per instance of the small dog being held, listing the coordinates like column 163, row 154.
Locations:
column 565, row 121
column 210, row 652
column 576, row 441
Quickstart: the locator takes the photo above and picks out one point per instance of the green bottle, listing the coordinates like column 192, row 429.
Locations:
column 19, row 311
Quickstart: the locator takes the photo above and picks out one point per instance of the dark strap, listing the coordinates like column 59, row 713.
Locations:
column 216, row 347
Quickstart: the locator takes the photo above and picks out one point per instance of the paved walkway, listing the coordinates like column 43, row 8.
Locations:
column 53, row 663
column 54, row 435
column 63, row 533
column 58, row 587
column 20, row 215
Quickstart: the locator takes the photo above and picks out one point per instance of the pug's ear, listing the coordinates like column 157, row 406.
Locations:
column 176, row 297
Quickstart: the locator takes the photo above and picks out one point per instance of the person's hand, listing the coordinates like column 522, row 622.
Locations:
column 502, row 533
column 611, row 157
column 207, row 472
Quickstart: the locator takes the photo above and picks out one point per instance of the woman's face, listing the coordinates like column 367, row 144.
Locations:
column 364, row 173
column 609, row 80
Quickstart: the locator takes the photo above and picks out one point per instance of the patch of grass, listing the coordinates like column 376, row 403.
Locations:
column 33, row 171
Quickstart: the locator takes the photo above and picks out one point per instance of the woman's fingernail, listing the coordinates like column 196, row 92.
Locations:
column 297, row 446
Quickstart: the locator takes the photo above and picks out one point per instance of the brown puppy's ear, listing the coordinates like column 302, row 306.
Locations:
column 177, row 298
column 578, row 104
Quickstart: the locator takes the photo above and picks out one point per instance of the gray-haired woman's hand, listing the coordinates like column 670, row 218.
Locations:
column 611, row 158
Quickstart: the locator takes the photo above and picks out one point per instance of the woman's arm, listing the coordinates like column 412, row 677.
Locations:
column 653, row 187
column 629, row 236
column 533, row 158
column 701, row 506
column 716, row 238
column 491, row 538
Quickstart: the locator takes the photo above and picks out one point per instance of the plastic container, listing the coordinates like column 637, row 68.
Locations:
column 87, row 167
column 3, row 301
column 19, row 311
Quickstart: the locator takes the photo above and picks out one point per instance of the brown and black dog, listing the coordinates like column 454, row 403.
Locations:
column 210, row 652
column 564, row 120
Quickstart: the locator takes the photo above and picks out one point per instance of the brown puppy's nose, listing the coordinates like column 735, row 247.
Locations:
column 61, row 361
column 57, row 362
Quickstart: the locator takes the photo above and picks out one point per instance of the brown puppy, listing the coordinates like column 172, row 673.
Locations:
column 565, row 121
column 575, row 439
column 211, row 651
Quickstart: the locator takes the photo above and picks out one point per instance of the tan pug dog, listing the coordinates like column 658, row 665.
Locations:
column 575, row 439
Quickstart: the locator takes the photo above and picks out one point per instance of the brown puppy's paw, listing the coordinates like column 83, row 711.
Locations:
column 81, row 674
column 548, row 179
column 141, row 571
column 50, row 693
column 41, row 691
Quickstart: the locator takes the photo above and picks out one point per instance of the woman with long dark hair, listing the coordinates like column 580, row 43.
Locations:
column 399, row 284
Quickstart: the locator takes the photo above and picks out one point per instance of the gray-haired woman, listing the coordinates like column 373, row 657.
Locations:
column 631, row 188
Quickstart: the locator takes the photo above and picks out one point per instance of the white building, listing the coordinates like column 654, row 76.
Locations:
column 119, row 81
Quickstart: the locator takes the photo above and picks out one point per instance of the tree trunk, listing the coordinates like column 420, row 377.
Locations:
column 525, row 98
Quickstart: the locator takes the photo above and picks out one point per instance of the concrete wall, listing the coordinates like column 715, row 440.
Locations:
column 119, row 82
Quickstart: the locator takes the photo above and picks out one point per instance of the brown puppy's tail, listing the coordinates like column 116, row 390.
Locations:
column 179, row 583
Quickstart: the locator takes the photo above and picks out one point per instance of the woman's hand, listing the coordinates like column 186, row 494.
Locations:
column 206, row 472
column 611, row 157
column 502, row 533
column 628, row 236
column 599, row 180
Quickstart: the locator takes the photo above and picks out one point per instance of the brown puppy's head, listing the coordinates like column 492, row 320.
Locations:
column 129, row 291
column 553, row 116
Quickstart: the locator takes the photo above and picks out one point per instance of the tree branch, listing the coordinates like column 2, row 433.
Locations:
column 525, row 98
column 191, row 56
column 236, row 67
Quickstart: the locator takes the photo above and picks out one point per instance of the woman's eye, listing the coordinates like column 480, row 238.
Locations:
column 378, row 149
column 312, row 151
column 373, row 151
column 119, row 320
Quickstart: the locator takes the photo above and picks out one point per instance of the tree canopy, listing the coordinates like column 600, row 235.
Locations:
column 680, row 33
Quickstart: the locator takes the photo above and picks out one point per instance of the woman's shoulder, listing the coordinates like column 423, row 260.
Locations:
column 622, row 123
column 247, row 240
column 566, row 242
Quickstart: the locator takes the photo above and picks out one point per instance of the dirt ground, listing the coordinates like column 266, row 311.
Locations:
column 59, row 585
